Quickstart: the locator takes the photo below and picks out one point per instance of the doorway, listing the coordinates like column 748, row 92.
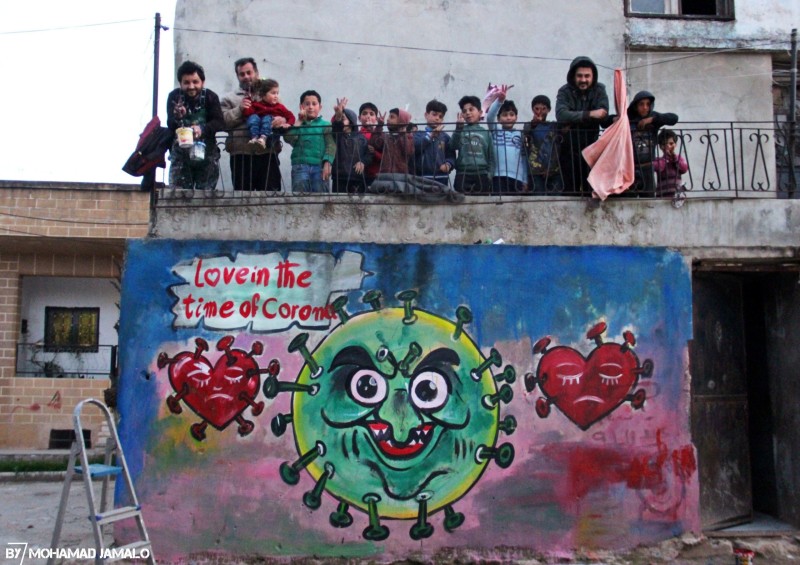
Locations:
column 744, row 365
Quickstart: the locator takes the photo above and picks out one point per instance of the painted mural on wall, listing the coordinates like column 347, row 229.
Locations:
column 363, row 400
column 587, row 389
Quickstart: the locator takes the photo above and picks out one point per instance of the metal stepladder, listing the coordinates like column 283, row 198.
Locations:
column 113, row 465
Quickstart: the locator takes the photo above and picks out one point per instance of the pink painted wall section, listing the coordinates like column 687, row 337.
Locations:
column 406, row 401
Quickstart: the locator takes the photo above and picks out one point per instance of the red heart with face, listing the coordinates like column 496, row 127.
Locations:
column 220, row 393
column 588, row 389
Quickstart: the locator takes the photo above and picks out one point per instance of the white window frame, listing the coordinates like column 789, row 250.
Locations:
column 673, row 9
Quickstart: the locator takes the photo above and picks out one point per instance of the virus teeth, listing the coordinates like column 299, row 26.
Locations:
column 418, row 438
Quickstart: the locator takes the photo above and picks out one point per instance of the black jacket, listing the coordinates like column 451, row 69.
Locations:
column 573, row 105
column 645, row 139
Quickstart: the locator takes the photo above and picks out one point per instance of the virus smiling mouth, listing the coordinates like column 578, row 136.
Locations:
column 418, row 438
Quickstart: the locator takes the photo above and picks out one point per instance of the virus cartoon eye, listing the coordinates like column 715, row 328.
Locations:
column 429, row 390
column 610, row 373
column 367, row 387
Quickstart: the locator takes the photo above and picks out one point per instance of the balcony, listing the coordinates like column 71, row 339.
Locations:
column 36, row 360
column 725, row 160
column 739, row 202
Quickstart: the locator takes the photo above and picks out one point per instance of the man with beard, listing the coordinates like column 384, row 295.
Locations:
column 581, row 108
column 252, row 167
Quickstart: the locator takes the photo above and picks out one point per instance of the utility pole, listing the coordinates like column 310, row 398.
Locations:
column 149, row 179
column 792, row 121
column 156, row 48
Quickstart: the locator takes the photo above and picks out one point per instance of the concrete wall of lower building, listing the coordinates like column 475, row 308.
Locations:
column 702, row 228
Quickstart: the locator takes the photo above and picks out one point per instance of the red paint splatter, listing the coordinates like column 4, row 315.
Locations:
column 590, row 469
column 35, row 407
column 684, row 463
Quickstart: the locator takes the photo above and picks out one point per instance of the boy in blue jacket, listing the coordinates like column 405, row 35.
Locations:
column 510, row 170
column 541, row 145
column 434, row 157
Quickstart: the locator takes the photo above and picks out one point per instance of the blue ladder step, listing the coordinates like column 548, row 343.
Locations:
column 100, row 470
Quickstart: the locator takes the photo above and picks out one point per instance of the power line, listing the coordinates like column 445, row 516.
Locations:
column 473, row 53
column 379, row 45
column 79, row 26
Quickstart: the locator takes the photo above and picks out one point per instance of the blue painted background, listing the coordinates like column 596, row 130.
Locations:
column 517, row 295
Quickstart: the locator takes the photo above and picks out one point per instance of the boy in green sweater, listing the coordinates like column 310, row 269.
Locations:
column 475, row 161
column 313, row 146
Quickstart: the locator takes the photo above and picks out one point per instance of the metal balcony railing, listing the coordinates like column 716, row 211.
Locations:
column 725, row 159
column 36, row 360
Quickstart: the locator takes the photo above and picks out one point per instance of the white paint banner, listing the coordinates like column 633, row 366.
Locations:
column 267, row 292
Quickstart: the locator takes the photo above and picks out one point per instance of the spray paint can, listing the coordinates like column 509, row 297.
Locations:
column 198, row 151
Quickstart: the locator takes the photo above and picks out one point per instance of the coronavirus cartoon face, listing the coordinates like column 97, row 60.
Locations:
column 397, row 413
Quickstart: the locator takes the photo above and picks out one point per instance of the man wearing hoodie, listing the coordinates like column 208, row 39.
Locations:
column 645, row 123
column 581, row 108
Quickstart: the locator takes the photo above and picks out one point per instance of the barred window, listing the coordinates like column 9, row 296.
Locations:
column 71, row 329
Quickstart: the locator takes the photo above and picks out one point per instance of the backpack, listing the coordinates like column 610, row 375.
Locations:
column 154, row 142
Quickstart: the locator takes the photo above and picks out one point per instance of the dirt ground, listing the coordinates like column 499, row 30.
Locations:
column 28, row 512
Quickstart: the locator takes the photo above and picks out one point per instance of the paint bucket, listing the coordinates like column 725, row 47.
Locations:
column 744, row 556
column 185, row 137
column 198, row 151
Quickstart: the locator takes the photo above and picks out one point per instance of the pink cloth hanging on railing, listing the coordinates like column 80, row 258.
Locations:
column 611, row 156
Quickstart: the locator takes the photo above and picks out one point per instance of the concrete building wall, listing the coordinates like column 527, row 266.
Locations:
column 399, row 53
column 702, row 228
column 717, row 87
column 407, row 53
column 759, row 24
column 404, row 53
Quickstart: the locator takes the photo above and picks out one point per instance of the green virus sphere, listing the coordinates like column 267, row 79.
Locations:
column 396, row 413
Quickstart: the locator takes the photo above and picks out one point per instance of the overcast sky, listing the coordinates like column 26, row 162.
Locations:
column 76, row 97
